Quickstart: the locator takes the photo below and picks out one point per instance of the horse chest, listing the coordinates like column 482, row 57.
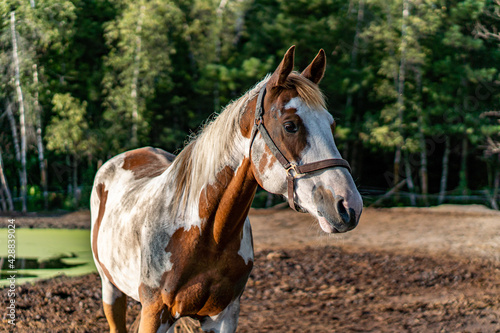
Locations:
column 206, row 280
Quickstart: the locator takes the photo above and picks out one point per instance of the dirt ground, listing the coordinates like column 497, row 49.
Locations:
column 401, row 270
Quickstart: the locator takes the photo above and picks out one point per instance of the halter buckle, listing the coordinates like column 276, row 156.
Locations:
column 293, row 167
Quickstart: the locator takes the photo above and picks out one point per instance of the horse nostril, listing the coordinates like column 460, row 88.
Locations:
column 342, row 211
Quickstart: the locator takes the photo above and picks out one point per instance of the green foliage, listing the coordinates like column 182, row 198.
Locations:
column 68, row 129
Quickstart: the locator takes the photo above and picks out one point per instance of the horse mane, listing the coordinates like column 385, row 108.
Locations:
column 216, row 144
column 209, row 151
column 308, row 91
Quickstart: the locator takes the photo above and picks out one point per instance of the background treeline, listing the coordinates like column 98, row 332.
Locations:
column 414, row 85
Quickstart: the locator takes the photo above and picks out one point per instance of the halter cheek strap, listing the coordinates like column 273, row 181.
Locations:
column 293, row 170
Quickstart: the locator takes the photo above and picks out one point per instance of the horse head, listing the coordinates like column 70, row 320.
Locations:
column 293, row 151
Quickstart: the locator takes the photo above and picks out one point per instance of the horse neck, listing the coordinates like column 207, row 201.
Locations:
column 224, row 205
column 219, row 185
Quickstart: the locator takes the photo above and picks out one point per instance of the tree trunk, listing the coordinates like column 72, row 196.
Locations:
column 409, row 182
column 39, row 140
column 391, row 45
column 356, row 158
column 2, row 200
column 218, row 47
column 76, row 195
column 397, row 164
column 444, row 173
column 22, row 123
column 15, row 138
column 421, row 138
column 354, row 56
column 463, row 166
column 135, row 78
column 13, row 127
column 389, row 193
column 401, row 88
column 5, row 185
column 70, row 190
column 496, row 182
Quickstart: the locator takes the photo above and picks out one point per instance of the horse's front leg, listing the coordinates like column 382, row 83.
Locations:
column 155, row 317
column 224, row 322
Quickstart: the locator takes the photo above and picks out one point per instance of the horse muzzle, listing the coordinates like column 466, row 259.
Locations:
column 334, row 213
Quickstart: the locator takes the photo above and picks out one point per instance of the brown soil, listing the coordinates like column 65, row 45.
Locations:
column 400, row 270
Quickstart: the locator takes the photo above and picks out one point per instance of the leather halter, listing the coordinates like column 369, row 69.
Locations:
column 293, row 170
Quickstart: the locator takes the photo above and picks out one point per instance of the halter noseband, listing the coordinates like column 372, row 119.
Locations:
column 293, row 170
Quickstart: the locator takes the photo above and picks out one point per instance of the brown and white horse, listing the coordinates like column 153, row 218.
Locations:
column 173, row 232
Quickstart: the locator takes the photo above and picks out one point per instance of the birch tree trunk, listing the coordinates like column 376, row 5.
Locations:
column 218, row 47
column 391, row 45
column 39, row 140
column 444, row 173
column 409, row 182
column 135, row 78
column 401, row 86
column 22, row 123
column 421, row 138
column 13, row 127
column 2, row 199
column 354, row 56
column 5, row 185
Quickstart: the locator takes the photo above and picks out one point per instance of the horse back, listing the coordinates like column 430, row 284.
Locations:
column 147, row 162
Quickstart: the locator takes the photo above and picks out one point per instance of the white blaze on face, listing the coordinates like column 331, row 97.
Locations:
column 321, row 146
column 318, row 125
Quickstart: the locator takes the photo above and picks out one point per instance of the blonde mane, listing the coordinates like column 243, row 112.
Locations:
column 218, row 142
column 208, row 152
column 308, row 91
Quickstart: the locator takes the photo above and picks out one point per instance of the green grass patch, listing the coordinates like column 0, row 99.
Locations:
column 57, row 251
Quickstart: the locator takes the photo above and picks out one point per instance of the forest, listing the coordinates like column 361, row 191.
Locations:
column 414, row 86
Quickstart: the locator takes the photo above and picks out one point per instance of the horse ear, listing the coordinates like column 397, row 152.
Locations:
column 315, row 71
column 284, row 69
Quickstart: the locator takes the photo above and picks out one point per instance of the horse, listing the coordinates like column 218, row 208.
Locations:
column 173, row 233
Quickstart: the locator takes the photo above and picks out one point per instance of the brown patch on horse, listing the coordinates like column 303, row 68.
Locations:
column 247, row 123
column 230, row 198
column 211, row 197
column 102, row 194
column 322, row 194
column 284, row 68
column 205, row 279
column 247, row 119
column 267, row 160
column 290, row 144
column 154, row 312
column 208, row 273
column 147, row 162
column 116, row 314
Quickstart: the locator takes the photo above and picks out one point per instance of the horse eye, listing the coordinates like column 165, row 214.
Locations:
column 290, row 127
